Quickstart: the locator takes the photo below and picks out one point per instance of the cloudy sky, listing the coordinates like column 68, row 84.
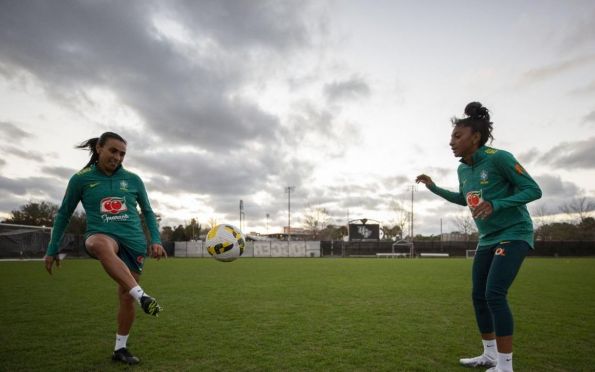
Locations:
column 347, row 101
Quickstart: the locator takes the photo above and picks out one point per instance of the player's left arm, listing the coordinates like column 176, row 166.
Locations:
column 156, row 249
column 526, row 189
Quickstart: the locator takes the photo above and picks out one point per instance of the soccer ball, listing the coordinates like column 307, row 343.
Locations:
column 225, row 242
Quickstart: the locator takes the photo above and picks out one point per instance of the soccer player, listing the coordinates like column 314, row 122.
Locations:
column 496, row 188
column 114, row 235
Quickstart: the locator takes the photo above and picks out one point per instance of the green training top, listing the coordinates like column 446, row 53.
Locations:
column 110, row 203
column 497, row 177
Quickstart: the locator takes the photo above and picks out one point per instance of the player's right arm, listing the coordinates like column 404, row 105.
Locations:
column 453, row 197
column 69, row 203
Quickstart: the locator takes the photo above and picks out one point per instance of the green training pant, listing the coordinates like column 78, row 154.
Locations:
column 494, row 269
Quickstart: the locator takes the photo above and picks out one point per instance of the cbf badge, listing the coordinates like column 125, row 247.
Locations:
column 483, row 177
column 123, row 185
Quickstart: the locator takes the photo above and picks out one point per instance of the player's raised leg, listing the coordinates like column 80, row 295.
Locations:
column 105, row 249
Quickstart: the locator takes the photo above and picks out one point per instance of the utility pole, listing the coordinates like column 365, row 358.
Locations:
column 413, row 188
column 288, row 190
column 268, row 215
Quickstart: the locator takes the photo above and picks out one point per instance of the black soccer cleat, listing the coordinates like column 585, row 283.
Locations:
column 150, row 305
column 124, row 356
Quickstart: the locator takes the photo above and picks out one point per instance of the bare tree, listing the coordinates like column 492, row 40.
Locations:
column 316, row 219
column 402, row 216
column 578, row 207
column 465, row 224
column 212, row 222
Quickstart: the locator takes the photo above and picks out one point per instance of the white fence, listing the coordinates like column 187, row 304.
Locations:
column 270, row 248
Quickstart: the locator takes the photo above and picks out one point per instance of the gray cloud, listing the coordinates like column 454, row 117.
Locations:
column 188, row 100
column 582, row 31
column 572, row 155
column 36, row 186
column 546, row 72
column 12, row 133
column 529, row 156
column 556, row 193
column 590, row 118
column 352, row 88
column 554, row 186
column 20, row 153
column 187, row 92
column 59, row 172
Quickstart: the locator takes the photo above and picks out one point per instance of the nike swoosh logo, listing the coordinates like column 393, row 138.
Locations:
column 93, row 184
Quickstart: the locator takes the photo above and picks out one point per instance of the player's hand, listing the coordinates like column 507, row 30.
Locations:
column 49, row 262
column 158, row 252
column 483, row 210
column 426, row 180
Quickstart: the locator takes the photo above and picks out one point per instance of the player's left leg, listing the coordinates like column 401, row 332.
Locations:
column 508, row 258
column 481, row 268
column 126, row 315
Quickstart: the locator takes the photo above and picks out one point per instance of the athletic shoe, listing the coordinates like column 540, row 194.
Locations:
column 480, row 361
column 124, row 356
column 150, row 305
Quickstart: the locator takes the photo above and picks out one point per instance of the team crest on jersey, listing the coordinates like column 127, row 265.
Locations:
column 124, row 185
column 483, row 177
column 491, row 151
column 473, row 199
column 113, row 205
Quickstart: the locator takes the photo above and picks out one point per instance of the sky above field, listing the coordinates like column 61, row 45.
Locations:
column 346, row 101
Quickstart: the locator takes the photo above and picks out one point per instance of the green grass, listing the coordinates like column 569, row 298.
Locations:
column 293, row 315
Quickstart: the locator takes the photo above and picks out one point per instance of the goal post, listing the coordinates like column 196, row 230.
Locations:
column 470, row 253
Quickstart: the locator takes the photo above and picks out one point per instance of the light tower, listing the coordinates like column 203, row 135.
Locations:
column 288, row 190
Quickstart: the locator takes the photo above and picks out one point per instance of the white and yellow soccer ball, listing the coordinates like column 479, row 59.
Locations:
column 225, row 242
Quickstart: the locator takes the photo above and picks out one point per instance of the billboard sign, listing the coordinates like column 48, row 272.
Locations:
column 364, row 231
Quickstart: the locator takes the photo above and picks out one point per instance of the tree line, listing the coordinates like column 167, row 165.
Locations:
column 581, row 226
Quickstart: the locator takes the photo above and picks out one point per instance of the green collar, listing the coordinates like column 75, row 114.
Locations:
column 477, row 156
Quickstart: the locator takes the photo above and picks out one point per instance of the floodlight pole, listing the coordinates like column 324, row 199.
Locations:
column 413, row 188
column 268, row 215
column 288, row 190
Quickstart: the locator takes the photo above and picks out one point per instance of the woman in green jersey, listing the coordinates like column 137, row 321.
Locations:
column 496, row 188
column 110, row 195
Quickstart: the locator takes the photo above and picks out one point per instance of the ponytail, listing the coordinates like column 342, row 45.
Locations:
column 91, row 145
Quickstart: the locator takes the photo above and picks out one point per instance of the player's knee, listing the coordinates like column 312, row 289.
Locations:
column 100, row 247
column 478, row 295
column 495, row 298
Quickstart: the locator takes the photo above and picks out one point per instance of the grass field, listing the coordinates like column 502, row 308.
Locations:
column 293, row 315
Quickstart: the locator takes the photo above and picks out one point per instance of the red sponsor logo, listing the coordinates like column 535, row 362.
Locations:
column 473, row 198
column 113, row 205
column 500, row 252
column 140, row 259
column 518, row 168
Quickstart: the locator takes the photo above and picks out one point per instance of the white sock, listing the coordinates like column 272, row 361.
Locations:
column 505, row 362
column 489, row 348
column 137, row 292
column 120, row 341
